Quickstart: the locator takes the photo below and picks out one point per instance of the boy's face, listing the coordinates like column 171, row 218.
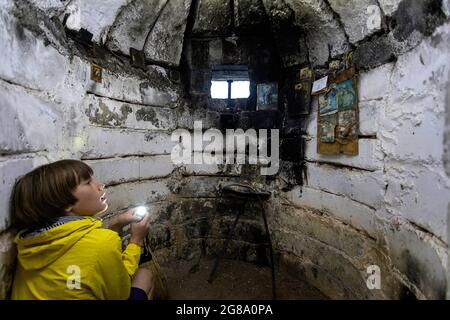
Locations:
column 91, row 198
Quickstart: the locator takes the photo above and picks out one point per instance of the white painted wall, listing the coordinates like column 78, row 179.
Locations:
column 398, row 180
column 447, row 167
column 51, row 110
column 47, row 100
column 94, row 16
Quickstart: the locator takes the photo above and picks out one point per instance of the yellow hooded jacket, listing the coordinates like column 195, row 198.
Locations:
column 74, row 260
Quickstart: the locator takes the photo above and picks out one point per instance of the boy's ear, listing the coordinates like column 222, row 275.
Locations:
column 68, row 210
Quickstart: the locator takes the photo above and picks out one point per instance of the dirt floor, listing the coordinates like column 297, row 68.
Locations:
column 234, row 280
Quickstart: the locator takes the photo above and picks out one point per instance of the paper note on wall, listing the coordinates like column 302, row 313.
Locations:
column 319, row 85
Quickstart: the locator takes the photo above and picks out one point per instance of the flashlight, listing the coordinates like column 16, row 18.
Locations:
column 140, row 212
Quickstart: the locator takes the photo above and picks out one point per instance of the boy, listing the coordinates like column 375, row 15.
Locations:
column 63, row 253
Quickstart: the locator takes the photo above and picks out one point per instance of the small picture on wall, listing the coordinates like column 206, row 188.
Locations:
column 327, row 126
column 267, row 96
column 96, row 73
column 346, row 96
column 302, row 99
column 337, row 121
column 306, row 73
column 346, row 130
column 328, row 102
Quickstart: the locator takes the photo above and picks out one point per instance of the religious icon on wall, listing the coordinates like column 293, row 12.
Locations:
column 334, row 65
column 299, row 104
column 338, row 123
column 328, row 102
column 346, row 95
column 347, row 126
column 302, row 99
column 267, row 96
column 306, row 73
column 327, row 128
column 96, row 73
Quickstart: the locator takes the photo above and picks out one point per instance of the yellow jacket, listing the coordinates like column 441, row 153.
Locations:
column 75, row 260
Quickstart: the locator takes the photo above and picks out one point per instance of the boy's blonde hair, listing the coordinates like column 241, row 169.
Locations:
column 40, row 197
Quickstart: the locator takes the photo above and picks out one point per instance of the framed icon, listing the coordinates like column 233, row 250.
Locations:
column 96, row 73
column 267, row 96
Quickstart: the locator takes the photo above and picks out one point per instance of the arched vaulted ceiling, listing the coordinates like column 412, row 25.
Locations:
column 327, row 27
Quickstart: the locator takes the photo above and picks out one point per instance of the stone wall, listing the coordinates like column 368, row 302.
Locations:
column 51, row 110
column 121, row 127
column 446, row 158
column 396, row 190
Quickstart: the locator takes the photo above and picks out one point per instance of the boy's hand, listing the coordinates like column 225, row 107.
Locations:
column 139, row 231
column 128, row 217
column 121, row 220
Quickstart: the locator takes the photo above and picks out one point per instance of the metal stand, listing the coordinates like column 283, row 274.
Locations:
column 146, row 254
column 246, row 192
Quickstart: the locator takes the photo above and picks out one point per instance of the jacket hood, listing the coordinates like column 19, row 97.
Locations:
column 40, row 250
